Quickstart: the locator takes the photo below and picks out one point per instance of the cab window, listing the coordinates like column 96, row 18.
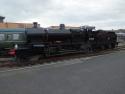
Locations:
column 2, row 37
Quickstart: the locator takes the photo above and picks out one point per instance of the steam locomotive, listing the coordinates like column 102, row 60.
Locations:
column 46, row 42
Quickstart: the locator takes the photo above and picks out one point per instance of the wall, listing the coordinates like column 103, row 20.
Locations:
column 16, row 25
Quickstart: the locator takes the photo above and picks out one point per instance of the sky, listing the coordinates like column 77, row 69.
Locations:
column 103, row 14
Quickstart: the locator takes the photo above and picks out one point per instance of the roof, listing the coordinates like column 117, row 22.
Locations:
column 13, row 30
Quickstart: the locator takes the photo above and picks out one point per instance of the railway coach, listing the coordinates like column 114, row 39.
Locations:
column 10, row 37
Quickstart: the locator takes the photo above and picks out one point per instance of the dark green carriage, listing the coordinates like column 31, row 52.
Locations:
column 9, row 38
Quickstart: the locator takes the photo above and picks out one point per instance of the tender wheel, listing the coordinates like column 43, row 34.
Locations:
column 112, row 46
column 102, row 47
column 21, row 60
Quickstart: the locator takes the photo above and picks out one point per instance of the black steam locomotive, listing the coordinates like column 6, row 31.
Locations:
column 46, row 42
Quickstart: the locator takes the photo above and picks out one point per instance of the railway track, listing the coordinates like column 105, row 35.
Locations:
column 10, row 62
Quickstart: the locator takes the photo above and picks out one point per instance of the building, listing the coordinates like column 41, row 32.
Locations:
column 4, row 25
column 16, row 25
column 74, row 27
column 66, row 27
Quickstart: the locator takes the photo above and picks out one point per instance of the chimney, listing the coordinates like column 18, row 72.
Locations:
column 35, row 25
column 62, row 26
column 2, row 19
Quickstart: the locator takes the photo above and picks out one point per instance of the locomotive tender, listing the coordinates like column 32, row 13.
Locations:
column 42, row 42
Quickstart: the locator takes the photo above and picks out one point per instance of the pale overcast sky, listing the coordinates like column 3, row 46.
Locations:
column 104, row 14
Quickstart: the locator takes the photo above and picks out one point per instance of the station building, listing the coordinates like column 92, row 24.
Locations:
column 66, row 27
column 4, row 25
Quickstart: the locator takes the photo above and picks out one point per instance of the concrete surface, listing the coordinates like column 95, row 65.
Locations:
column 103, row 74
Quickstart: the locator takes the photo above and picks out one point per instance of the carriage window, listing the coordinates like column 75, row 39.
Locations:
column 9, row 37
column 15, row 36
column 2, row 37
